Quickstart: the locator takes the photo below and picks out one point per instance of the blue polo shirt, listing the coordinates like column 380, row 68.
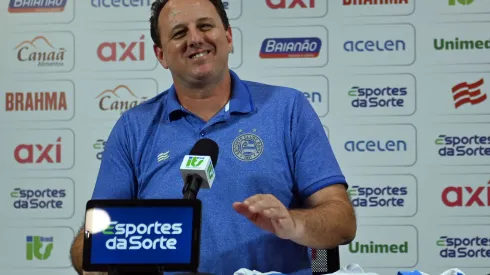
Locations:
column 271, row 141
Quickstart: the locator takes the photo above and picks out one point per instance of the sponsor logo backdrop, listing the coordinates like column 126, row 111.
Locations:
column 401, row 87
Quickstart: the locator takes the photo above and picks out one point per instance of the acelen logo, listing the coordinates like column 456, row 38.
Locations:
column 468, row 93
column 39, row 153
column 35, row 101
column 290, row 4
column 466, row 196
column 294, row 47
column 373, row 2
column 388, row 45
column 119, row 99
column 34, row 6
column 40, row 51
column 121, row 3
column 122, row 51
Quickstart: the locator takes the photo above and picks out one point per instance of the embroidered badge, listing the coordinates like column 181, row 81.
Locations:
column 248, row 147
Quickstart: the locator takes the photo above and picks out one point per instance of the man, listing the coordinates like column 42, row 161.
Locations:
column 278, row 187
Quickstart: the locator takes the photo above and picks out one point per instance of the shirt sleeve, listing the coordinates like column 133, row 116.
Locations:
column 116, row 178
column 315, row 165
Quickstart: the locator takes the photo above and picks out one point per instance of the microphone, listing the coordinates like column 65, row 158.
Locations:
column 197, row 168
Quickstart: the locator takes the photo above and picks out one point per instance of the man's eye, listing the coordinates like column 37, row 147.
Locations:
column 206, row 26
column 179, row 34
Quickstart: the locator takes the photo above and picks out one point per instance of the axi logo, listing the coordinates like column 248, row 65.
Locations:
column 194, row 162
column 378, row 196
column 377, row 97
column 134, row 234
column 36, row 244
column 99, row 146
column 40, row 50
column 377, row 248
column 375, row 146
column 121, row 51
column 120, row 99
column 457, row 146
column 468, row 93
column 29, row 6
column 297, row 47
column 371, row 2
column 461, row 2
column 467, row 196
column 38, row 199
column 290, row 4
column 375, row 46
column 38, row 153
column 35, row 101
column 457, row 247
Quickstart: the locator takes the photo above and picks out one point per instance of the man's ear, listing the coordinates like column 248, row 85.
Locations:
column 229, row 38
column 160, row 56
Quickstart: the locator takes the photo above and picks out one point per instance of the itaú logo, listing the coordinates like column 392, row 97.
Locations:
column 129, row 236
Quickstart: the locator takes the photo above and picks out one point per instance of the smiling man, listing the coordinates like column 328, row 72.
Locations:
column 278, row 187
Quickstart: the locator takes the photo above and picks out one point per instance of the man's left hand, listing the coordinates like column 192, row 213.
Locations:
column 270, row 214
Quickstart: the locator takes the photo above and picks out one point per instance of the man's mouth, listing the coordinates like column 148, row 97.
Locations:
column 198, row 55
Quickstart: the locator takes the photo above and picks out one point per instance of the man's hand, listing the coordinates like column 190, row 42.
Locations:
column 270, row 214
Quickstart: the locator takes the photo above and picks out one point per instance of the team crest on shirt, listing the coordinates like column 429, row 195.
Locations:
column 248, row 146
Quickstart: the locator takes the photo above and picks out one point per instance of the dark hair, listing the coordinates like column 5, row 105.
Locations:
column 157, row 7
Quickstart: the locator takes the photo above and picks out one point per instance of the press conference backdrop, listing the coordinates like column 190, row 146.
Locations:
column 401, row 87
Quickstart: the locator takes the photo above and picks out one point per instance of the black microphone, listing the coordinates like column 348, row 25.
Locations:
column 197, row 168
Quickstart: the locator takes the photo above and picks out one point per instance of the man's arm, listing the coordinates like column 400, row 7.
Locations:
column 76, row 254
column 328, row 221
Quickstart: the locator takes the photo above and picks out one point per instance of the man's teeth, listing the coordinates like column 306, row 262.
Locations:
column 200, row 55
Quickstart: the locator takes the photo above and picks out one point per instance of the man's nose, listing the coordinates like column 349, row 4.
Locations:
column 195, row 38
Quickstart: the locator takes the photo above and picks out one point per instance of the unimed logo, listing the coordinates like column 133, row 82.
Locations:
column 456, row 44
column 35, row 101
column 99, row 146
column 466, row 196
column 121, row 51
column 40, row 51
column 290, row 4
column 39, row 153
column 38, row 247
column 378, row 248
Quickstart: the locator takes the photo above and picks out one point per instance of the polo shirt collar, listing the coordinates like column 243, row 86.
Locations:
column 240, row 101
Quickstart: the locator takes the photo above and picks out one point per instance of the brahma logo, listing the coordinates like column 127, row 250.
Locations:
column 290, row 4
column 373, row 2
column 387, row 196
column 458, row 247
column 40, row 51
column 134, row 235
column 384, row 97
column 468, row 93
column 35, row 101
column 457, row 146
column 34, row 6
column 459, row 196
column 305, row 47
column 122, row 51
column 120, row 99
